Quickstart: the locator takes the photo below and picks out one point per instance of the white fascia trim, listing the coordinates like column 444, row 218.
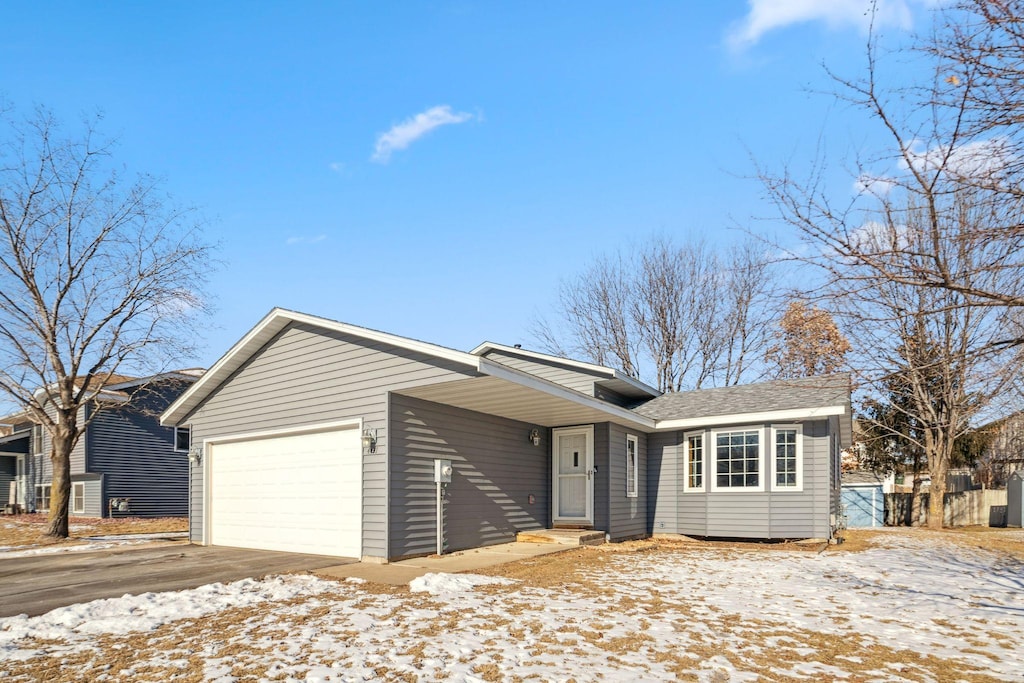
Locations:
column 495, row 369
column 276, row 320
column 491, row 346
column 609, row 373
column 747, row 418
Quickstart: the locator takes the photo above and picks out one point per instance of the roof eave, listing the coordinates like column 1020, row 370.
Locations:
column 759, row 417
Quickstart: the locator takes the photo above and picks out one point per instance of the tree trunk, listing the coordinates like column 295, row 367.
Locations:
column 60, row 488
column 937, row 496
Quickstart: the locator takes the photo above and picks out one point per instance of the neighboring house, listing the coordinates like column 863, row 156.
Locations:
column 317, row 436
column 125, row 462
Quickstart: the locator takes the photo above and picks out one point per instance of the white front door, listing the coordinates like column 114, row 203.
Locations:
column 572, row 486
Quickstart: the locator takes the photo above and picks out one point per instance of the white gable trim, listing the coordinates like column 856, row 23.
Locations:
column 264, row 331
column 609, row 373
column 752, row 418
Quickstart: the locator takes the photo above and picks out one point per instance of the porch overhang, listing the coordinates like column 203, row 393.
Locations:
column 516, row 395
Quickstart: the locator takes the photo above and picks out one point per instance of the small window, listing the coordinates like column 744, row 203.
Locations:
column 694, row 462
column 632, row 466
column 78, row 497
column 182, row 438
column 787, row 458
column 43, row 498
column 737, row 460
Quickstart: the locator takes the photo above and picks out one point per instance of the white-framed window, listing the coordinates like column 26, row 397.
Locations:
column 43, row 497
column 182, row 438
column 737, row 457
column 78, row 497
column 693, row 461
column 632, row 466
column 787, row 457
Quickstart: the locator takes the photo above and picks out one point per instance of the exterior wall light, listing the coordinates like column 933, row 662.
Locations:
column 370, row 440
column 535, row 437
column 195, row 455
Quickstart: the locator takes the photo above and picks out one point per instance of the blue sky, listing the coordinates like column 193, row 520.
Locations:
column 434, row 169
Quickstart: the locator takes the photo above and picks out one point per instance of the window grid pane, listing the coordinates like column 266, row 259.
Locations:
column 785, row 457
column 696, row 462
column 737, row 459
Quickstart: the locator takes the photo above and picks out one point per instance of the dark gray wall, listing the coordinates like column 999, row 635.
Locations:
column 136, row 456
column 307, row 375
column 602, row 476
column 741, row 514
column 496, row 471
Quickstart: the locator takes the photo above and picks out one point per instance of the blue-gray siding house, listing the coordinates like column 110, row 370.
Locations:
column 311, row 435
column 125, row 463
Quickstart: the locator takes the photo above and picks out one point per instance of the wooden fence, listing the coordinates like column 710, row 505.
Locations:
column 963, row 508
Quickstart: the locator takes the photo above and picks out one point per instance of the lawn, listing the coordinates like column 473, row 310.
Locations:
column 895, row 605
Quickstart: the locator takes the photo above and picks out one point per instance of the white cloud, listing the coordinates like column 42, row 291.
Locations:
column 336, row 166
column 878, row 186
column 412, row 129
column 978, row 159
column 768, row 15
column 300, row 239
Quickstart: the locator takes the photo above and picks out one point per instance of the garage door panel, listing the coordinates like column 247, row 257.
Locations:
column 298, row 493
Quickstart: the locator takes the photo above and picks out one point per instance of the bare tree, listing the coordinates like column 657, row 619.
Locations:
column 98, row 277
column 811, row 343
column 924, row 264
column 686, row 314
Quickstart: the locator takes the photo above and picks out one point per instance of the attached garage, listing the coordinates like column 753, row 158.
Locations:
column 294, row 492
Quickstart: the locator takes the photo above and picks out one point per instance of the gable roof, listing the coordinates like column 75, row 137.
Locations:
column 779, row 399
column 265, row 330
column 613, row 379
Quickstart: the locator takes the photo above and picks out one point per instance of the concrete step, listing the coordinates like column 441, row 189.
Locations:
column 562, row 536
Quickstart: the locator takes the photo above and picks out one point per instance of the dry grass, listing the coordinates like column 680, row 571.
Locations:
column 24, row 530
column 771, row 649
column 1009, row 541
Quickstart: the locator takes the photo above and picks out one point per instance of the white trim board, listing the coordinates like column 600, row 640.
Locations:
column 744, row 418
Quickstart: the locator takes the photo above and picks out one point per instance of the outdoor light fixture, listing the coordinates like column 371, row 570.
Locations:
column 535, row 437
column 195, row 455
column 370, row 440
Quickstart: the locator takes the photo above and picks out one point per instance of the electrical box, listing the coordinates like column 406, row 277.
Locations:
column 443, row 471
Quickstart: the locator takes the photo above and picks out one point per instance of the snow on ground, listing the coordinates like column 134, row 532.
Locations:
column 914, row 609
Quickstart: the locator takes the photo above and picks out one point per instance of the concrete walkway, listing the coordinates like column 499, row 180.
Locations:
column 402, row 572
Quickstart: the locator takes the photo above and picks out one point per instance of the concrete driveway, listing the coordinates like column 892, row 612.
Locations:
column 34, row 585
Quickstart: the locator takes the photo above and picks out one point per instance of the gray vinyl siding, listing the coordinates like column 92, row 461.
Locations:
column 602, row 476
column 496, row 470
column 743, row 514
column 567, row 376
column 94, row 503
column 136, row 456
column 627, row 517
column 307, row 375
column 77, row 453
column 195, row 503
column 663, row 482
column 8, row 472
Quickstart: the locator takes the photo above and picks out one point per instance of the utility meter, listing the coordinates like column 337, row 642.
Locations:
column 442, row 471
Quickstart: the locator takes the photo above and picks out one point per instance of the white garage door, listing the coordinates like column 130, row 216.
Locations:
column 300, row 493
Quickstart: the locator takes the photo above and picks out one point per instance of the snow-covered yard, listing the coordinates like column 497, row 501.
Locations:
column 915, row 606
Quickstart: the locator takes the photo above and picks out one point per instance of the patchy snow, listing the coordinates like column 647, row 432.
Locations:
column 90, row 543
column 31, row 550
column 917, row 608
column 453, row 584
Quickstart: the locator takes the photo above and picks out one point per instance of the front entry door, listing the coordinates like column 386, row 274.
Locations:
column 573, row 476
